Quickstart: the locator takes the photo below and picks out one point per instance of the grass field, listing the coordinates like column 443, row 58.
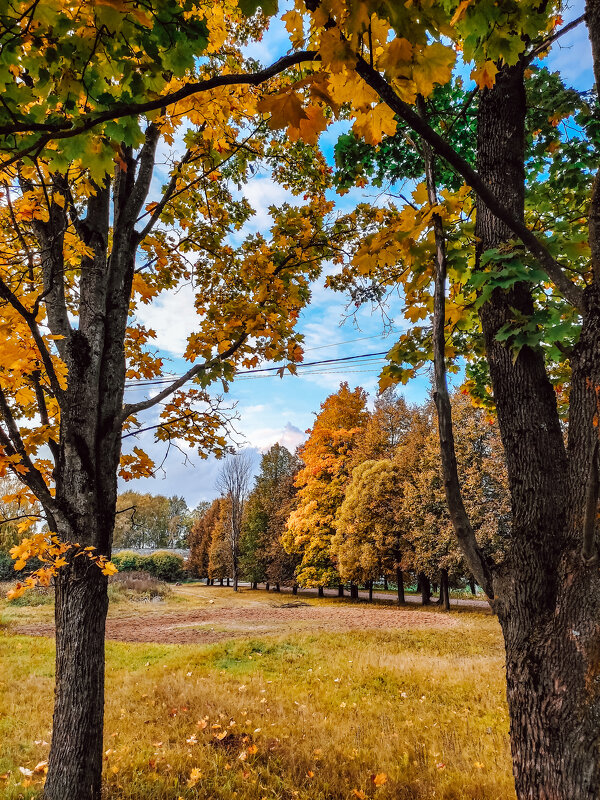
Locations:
column 410, row 710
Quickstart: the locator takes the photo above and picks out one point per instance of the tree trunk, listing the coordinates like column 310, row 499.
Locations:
column 425, row 588
column 227, row 581
column 354, row 591
column 75, row 761
column 548, row 600
column 444, row 590
column 267, row 586
column 321, row 593
column 400, row 585
column 472, row 586
column 385, row 582
column 370, row 586
column 295, row 589
column 221, row 581
column 340, row 590
column 277, row 587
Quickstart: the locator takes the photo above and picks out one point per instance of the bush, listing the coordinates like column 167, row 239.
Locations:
column 127, row 561
column 7, row 567
column 165, row 566
column 136, row 586
column 38, row 596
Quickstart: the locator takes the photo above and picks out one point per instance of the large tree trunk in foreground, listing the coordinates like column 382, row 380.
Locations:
column 547, row 600
column 75, row 763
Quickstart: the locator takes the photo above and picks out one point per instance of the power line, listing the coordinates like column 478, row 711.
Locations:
column 162, row 381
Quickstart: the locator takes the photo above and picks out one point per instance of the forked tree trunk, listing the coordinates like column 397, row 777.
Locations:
column 75, row 761
column 400, row 585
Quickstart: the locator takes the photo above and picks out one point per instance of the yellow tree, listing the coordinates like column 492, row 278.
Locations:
column 327, row 456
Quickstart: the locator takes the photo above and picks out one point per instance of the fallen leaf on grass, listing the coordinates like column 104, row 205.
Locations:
column 379, row 779
column 195, row 776
column 41, row 766
column 26, row 772
column 359, row 793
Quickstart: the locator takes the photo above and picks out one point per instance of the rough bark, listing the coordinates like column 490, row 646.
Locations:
column 547, row 599
column 75, row 763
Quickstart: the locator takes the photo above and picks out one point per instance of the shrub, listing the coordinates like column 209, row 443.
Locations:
column 7, row 569
column 38, row 596
column 128, row 561
column 135, row 586
column 165, row 566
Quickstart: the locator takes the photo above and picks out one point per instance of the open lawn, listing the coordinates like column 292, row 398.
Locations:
column 250, row 697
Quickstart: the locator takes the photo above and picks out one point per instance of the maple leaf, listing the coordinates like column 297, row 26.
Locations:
column 379, row 779
column 485, row 75
column 435, row 66
column 285, row 109
column 460, row 11
column 396, row 56
column 375, row 123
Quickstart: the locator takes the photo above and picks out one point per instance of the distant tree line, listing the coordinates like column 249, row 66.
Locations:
column 361, row 501
column 153, row 521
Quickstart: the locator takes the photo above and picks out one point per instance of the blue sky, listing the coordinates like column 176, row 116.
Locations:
column 271, row 409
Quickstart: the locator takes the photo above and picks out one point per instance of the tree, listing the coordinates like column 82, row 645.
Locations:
column 85, row 248
column 535, row 286
column 146, row 520
column 327, row 456
column 371, row 524
column 220, row 563
column 269, row 505
column 234, row 482
column 200, row 539
column 385, row 428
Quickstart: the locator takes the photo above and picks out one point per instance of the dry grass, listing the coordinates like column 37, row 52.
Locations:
column 306, row 716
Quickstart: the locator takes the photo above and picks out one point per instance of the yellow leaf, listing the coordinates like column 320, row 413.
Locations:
column 335, row 51
column 435, row 66
column 285, row 109
column 309, row 128
column 379, row 779
column 460, row 11
column 293, row 24
column 195, row 776
column 396, row 56
column 359, row 793
column 373, row 124
column 485, row 75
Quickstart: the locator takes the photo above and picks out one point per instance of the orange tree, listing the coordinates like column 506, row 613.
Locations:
column 327, row 456
column 523, row 300
column 94, row 94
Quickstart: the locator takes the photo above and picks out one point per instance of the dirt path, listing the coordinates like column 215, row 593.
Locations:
column 214, row 624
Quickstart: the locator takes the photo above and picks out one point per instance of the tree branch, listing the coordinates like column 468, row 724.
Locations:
column 458, row 514
column 551, row 39
column 30, row 320
column 66, row 130
column 442, row 148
